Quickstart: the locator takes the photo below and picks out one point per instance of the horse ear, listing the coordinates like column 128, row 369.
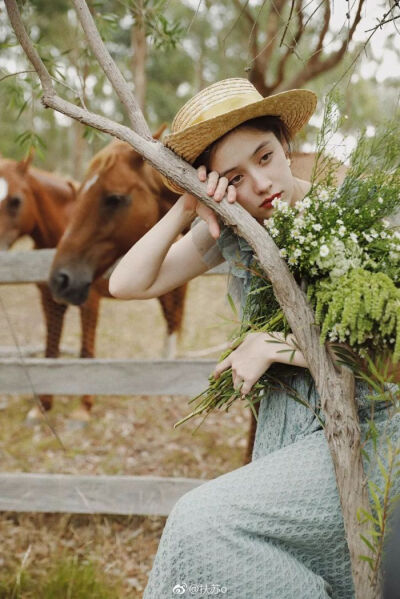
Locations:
column 160, row 131
column 74, row 186
column 25, row 163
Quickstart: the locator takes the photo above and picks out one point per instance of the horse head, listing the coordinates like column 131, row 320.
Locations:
column 17, row 208
column 33, row 202
column 120, row 199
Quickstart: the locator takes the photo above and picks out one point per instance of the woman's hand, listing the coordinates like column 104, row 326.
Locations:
column 216, row 187
column 255, row 355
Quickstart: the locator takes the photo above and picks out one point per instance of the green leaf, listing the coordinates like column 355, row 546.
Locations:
column 368, row 559
column 368, row 544
column 232, row 304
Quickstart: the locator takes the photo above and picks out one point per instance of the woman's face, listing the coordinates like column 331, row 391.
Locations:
column 255, row 163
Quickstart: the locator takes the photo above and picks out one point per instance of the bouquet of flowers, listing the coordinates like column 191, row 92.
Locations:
column 344, row 252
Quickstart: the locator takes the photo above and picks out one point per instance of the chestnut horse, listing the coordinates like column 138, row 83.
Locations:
column 120, row 199
column 39, row 204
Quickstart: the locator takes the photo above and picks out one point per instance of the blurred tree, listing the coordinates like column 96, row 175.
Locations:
column 171, row 49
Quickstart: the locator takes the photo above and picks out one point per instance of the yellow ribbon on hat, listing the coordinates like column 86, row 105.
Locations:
column 226, row 105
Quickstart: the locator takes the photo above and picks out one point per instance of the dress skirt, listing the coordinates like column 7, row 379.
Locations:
column 272, row 529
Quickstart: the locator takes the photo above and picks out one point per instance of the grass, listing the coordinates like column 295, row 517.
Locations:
column 68, row 578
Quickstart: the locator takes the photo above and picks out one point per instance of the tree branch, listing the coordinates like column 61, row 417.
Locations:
column 290, row 47
column 314, row 65
column 262, row 58
column 336, row 389
column 111, row 70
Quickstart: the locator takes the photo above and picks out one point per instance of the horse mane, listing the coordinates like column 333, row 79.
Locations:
column 106, row 157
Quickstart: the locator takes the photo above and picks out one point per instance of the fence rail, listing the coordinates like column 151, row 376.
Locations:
column 104, row 376
column 66, row 493
column 34, row 267
column 129, row 495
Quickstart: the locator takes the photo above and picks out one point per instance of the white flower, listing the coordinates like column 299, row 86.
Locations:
column 323, row 251
column 297, row 253
column 301, row 239
column 323, row 195
column 342, row 230
column 353, row 237
column 292, row 260
column 280, row 205
column 380, row 200
column 367, row 237
column 306, row 202
column 317, row 227
column 299, row 221
column 385, row 222
column 283, row 253
column 356, row 211
column 269, row 222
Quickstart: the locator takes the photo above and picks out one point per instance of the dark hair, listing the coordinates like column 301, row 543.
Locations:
column 273, row 124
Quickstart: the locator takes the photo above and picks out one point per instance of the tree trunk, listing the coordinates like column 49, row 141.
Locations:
column 139, row 48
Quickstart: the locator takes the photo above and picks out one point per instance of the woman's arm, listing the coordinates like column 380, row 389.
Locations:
column 157, row 263
column 256, row 354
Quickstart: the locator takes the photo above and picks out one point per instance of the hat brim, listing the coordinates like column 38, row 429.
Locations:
column 294, row 107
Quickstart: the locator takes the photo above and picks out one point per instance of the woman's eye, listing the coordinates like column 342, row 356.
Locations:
column 265, row 157
column 235, row 180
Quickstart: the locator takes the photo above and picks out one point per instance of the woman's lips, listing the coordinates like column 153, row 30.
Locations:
column 268, row 203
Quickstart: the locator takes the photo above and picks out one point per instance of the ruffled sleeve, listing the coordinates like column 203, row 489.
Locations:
column 239, row 256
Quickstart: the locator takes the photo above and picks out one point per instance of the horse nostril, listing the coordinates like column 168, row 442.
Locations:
column 62, row 280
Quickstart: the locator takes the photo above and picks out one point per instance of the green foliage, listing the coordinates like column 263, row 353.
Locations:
column 68, row 579
column 382, row 504
column 30, row 140
column 360, row 307
column 164, row 32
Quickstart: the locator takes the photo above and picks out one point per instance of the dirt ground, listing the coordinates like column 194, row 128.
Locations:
column 126, row 435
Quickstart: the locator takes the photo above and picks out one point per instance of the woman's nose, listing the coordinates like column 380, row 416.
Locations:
column 261, row 182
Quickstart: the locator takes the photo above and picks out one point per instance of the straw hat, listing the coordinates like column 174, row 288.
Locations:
column 224, row 105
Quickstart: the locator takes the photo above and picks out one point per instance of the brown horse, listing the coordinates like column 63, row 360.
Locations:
column 39, row 204
column 120, row 199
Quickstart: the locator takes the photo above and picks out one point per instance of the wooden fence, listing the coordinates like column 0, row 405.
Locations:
column 139, row 495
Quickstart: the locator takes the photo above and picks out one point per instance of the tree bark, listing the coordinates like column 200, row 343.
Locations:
column 139, row 47
column 336, row 388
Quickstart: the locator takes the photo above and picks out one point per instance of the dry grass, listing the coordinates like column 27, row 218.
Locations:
column 125, row 435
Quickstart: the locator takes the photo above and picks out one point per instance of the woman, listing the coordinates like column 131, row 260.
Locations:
column 273, row 528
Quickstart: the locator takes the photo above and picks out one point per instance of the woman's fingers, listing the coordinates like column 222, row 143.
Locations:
column 221, row 366
column 211, row 219
column 231, row 194
column 237, row 381
column 220, row 189
column 202, row 173
column 247, row 386
column 212, row 182
column 213, row 226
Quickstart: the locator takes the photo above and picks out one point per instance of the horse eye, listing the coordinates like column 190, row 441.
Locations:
column 113, row 200
column 14, row 203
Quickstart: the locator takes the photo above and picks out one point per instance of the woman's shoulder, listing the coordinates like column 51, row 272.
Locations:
column 302, row 185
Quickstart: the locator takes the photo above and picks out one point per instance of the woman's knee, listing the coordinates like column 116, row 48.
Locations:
column 198, row 513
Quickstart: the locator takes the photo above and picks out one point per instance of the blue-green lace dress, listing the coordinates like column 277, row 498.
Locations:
column 272, row 529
